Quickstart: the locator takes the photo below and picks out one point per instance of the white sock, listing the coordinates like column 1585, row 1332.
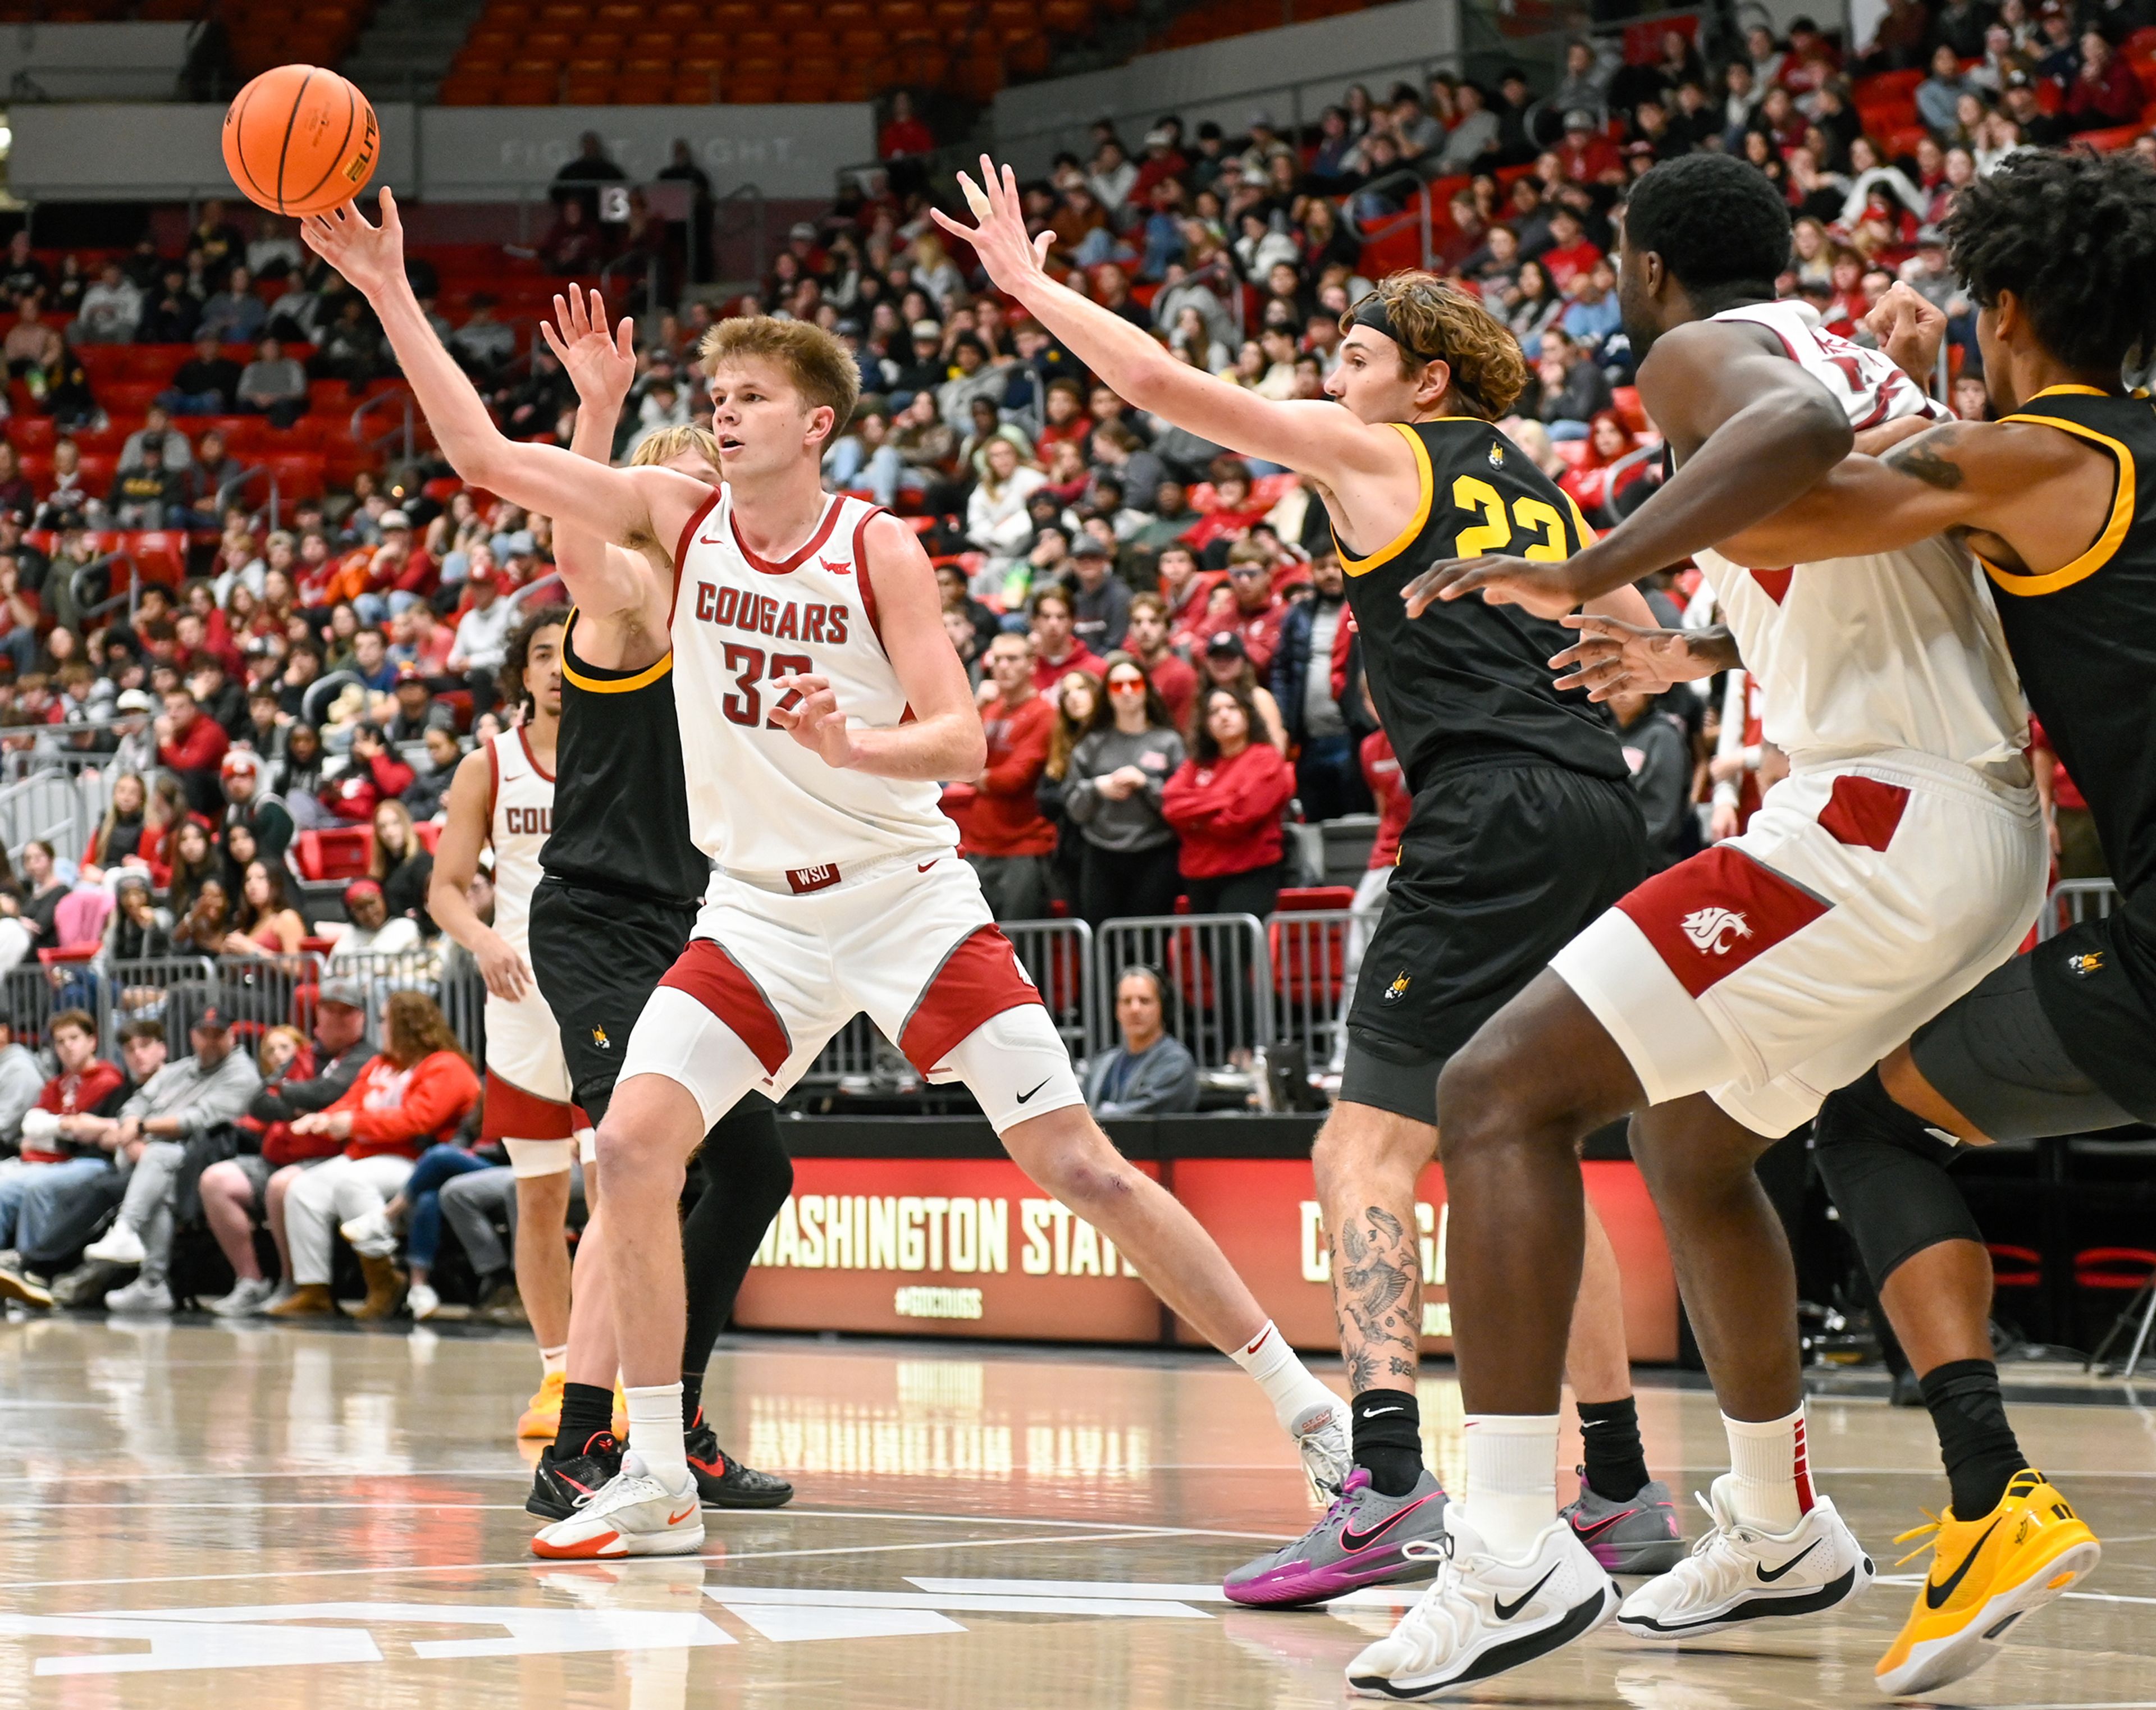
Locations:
column 555, row 1360
column 1772, row 1487
column 1512, row 1479
column 654, row 1432
column 1280, row 1371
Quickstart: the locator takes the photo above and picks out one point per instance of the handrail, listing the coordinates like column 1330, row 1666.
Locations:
column 237, row 483
column 1222, row 266
column 368, row 405
column 78, row 588
column 325, row 689
column 1419, row 214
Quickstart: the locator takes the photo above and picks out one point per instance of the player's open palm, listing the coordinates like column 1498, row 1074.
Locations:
column 601, row 364
column 999, row 239
column 370, row 257
column 810, row 713
column 1547, row 590
column 1612, row 657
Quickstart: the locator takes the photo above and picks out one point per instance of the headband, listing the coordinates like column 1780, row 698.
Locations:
column 1372, row 313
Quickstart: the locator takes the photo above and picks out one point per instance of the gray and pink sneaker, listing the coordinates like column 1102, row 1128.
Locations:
column 1360, row 1542
column 1638, row 1537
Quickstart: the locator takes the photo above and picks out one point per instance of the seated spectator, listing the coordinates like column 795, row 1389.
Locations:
column 1001, row 832
column 1327, row 769
column 62, row 1149
column 273, row 385
column 33, row 346
column 372, row 932
column 234, row 314
column 266, row 924
column 1112, row 785
column 867, row 455
column 416, row 1091
column 1258, row 611
column 207, row 382
column 299, row 781
column 416, row 1209
column 110, row 309
column 202, row 929
column 1101, row 600
column 2105, row 92
column 148, row 496
column 1593, row 483
column 183, row 1103
column 351, row 349
column 429, row 789
column 1938, row 93
column 1056, row 648
column 138, row 930
column 118, row 838
column 193, row 747
column 375, row 774
column 1149, row 1074
column 1592, row 316
column 401, row 865
column 482, row 637
column 1574, row 389
column 21, row 1079
column 483, row 344
column 45, row 890
column 1225, row 803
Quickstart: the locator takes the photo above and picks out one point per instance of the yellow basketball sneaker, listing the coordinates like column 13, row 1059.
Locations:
column 542, row 1414
column 1986, row 1575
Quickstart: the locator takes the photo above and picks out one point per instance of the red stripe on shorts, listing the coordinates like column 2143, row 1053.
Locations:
column 514, row 1114
column 978, row 981
column 1708, row 917
column 1863, row 812
column 722, row 986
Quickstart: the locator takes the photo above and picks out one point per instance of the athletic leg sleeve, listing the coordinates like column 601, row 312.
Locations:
column 1886, row 1170
column 540, row 1158
column 746, row 1178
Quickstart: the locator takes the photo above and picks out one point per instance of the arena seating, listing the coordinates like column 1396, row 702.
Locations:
column 1220, row 18
column 267, row 33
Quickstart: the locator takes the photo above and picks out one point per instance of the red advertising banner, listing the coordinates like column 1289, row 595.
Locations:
column 954, row 1247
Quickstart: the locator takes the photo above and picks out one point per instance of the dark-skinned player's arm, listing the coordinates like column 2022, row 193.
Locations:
column 456, row 860
column 1753, row 431
column 1321, row 439
column 945, row 738
column 644, row 509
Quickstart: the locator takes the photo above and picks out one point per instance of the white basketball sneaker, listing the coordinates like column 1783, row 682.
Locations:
column 632, row 1514
column 1482, row 1616
column 1737, row 1574
column 1323, row 1436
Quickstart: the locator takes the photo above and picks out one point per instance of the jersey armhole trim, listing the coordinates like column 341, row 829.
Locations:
column 1406, row 537
column 863, row 580
column 524, row 738
column 2123, row 501
column 493, row 785
column 681, row 548
column 574, row 670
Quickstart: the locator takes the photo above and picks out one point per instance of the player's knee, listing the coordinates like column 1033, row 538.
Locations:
column 1485, row 1099
column 1887, row 1173
column 1359, row 1143
column 1068, row 1156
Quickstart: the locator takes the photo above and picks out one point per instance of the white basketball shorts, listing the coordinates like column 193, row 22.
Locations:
column 530, row 1103
column 1862, row 899
column 771, row 973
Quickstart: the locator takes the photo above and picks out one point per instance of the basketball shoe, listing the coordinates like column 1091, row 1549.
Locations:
column 721, row 1480
column 1363, row 1540
column 1986, row 1575
column 1323, row 1437
column 1636, row 1537
column 1737, row 1574
column 559, row 1487
column 1482, row 1616
column 542, row 1413
column 632, row 1515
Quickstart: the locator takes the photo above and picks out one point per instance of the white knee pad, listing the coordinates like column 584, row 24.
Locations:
column 540, row 1158
column 1016, row 1066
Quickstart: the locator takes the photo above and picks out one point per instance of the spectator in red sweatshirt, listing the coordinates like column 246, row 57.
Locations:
column 1188, row 591
column 1001, row 831
column 1260, row 611
column 1225, row 804
column 374, row 776
column 192, row 746
column 1174, row 677
column 1056, row 648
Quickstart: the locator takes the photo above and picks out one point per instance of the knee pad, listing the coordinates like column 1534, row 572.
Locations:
column 540, row 1158
column 1886, row 1171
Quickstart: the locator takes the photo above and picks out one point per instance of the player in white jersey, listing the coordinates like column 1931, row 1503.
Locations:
column 820, row 702
column 1718, row 1004
column 502, row 799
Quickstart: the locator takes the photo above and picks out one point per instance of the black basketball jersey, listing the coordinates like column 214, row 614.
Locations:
column 621, row 801
column 2084, row 638
column 1467, row 681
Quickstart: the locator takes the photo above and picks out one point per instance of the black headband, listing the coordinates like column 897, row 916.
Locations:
column 1372, row 313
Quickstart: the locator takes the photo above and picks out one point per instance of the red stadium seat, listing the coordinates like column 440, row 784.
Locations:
column 344, row 852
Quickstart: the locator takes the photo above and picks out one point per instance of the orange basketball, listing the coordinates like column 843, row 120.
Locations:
column 300, row 140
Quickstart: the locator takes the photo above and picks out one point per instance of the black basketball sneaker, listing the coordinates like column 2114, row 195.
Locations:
column 721, row 1480
column 559, row 1487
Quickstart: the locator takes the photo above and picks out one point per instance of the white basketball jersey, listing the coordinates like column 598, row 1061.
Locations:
column 518, row 820
column 760, row 803
column 1857, row 655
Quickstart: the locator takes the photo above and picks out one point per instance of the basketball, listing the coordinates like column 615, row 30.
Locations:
column 300, row 140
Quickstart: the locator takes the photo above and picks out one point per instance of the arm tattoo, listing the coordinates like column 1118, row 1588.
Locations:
column 1924, row 462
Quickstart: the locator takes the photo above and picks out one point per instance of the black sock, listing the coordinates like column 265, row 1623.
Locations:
column 1616, row 1466
column 692, row 1396
column 587, row 1409
column 1388, row 1438
column 1975, row 1441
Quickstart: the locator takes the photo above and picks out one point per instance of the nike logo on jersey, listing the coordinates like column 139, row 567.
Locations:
column 1767, row 1579
column 1030, row 1090
column 1506, row 1611
column 1935, row 1596
column 1351, row 1539
column 925, row 866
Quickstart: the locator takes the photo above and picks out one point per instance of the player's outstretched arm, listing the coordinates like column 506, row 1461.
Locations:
column 637, row 508
column 602, row 580
column 944, row 738
column 456, row 860
column 1321, row 439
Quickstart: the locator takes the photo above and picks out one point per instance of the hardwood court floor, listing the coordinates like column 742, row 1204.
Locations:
column 202, row 1515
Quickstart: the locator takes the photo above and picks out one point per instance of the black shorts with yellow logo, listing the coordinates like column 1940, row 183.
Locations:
column 599, row 955
column 1503, row 862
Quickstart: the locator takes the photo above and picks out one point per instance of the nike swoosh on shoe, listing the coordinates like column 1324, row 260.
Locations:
column 1351, row 1540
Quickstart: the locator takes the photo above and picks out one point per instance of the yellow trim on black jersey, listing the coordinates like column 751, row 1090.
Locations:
column 1586, row 529
column 2028, row 586
column 609, row 685
column 1406, row 537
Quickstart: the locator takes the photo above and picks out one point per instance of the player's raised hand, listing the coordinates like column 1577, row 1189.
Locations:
column 810, row 711
column 370, row 257
column 1612, row 657
column 1547, row 590
column 1909, row 327
column 602, row 365
column 1012, row 259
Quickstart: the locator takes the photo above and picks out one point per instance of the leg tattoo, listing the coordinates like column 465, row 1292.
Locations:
column 1376, row 1295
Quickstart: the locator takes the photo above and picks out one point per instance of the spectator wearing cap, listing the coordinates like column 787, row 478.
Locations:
column 1056, row 648
column 1149, row 1074
column 234, row 1191
column 1587, row 154
column 1259, row 610
column 1225, row 803
column 1101, row 601
column 924, row 368
column 1327, row 776
column 415, row 705
column 249, row 802
column 372, row 931
column 273, row 385
column 149, row 495
column 138, row 737
column 1002, row 831
column 1111, row 792
column 1225, row 664
column 192, row 746
column 183, row 1103
column 482, row 640
column 375, row 774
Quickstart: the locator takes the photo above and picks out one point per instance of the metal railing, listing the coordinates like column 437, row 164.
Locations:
column 1216, row 978
column 1316, row 955
column 2073, row 900
column 52, row 806
column 406, row 431
column 1058, row 957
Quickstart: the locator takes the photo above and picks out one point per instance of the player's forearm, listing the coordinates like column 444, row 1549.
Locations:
column 452, row 409
column 1130, row 361
column 579, row 555
column 453, row 914
column 1713, row 650
column 928, row 750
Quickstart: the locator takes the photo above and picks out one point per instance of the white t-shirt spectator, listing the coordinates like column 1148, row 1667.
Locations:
column 483, row 636
column 109, row 312
column 393, row 937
